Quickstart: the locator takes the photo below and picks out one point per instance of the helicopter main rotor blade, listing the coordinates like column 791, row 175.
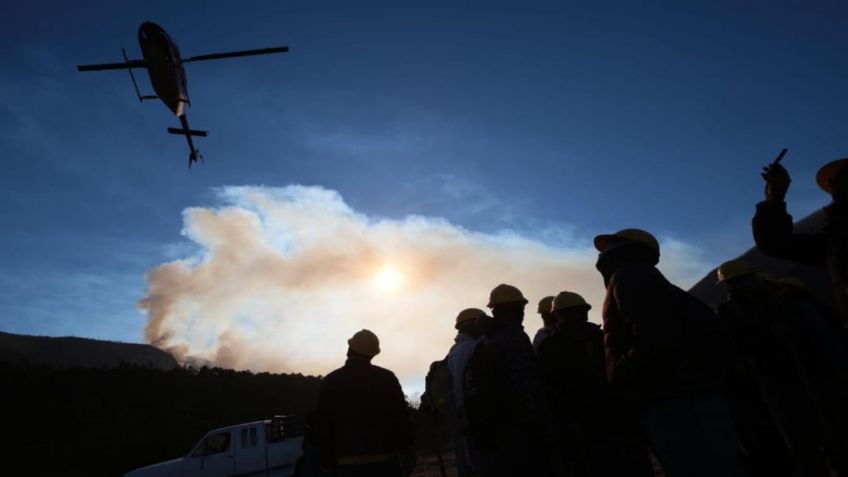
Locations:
column 113, row 66
column 234, row 54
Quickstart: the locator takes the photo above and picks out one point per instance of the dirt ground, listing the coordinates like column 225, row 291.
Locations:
column 428, row 466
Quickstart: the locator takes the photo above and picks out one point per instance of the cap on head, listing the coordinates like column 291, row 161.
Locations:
column 469, row 314
column 793, row 282
column 567, row 299
column 605, row 241
column 545, row 304
column 365, row 342
column 828, row 172
column 732, row 269
column 503, row 294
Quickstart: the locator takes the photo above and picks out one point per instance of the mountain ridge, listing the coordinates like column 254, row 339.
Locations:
column 73, row 351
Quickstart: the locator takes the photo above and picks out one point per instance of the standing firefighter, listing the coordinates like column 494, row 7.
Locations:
column 591, row 432
column 470, row 324
column 790, row 353
column 444, row 393
column 361, row 420
column 549, row 322
column 773, row 230
column 748, row 314
column 666, row 351
column 817, row 351
column 505, row 406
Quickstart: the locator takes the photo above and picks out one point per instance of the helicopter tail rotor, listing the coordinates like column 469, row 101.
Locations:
column 186, row 131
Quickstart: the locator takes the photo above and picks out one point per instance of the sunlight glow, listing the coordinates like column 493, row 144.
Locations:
column 388, row 278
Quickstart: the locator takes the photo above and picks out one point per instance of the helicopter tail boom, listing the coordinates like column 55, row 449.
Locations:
column 188, row 133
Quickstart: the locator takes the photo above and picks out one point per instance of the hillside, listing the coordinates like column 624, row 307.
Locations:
column 816, row 278
column 68, row 352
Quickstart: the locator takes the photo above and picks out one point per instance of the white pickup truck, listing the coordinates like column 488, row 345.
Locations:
column 261, row 448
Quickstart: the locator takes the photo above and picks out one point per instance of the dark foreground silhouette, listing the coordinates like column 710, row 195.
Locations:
column 104, row 422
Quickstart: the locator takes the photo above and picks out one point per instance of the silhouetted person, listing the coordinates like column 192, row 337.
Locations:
column 444, row 384
column 504, row 401
column 785, row 348
column 594, row 440
column 548, row 322
column 774, row 235
column 795, row 289
column 362, row 423
column 666, row 351
column 818, row 351
column 821, row 350
column 756, row 355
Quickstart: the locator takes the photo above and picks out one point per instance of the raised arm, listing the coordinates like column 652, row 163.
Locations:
column 772, row 226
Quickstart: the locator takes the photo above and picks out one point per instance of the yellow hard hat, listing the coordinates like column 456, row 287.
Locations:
column 567, row 299
column 505, row 294
column 732, row 269
column 545, row 304
column 605, row 241
column 793, row 282
column 469, row 314
column 365, row 343
column 828, row 171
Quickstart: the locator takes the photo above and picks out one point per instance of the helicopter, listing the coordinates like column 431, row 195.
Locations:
column 165, row 68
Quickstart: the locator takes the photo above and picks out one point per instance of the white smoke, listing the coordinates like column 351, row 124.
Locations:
column 284, row 276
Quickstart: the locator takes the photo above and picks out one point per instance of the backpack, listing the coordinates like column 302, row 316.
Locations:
column 439, row 388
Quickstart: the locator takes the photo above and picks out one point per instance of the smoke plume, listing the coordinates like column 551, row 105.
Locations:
column 282, row 277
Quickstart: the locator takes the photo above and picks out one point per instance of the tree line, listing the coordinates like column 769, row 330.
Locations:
column 107, row 421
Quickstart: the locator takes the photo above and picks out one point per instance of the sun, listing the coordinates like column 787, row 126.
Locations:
column 388, row 278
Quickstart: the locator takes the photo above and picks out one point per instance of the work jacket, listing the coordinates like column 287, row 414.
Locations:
column 361, row 412
column 573, row 371
column 502, row 386
column 460, row 352
column 774, row 235
column 759, row 349
column 541, row 335
column 573, row 363
column 659, row 340
column 505, row 405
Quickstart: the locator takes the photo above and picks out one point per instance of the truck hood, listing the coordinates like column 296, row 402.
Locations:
column 170, row 468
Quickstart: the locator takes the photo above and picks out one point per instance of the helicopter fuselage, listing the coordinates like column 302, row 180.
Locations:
column 164, row 66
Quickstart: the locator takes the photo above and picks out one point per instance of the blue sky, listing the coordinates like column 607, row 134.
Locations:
column 557, row 121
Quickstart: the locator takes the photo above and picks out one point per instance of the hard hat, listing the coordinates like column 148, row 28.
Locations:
column 469, row 314
column 567, row 299
column 365, row 343
column 732, row 269
column 603, row 242
column 828, row 172
column 505, row 294
column 793, row 282
column 545, row 304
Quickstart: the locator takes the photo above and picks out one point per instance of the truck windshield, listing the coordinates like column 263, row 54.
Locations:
column 214, row 444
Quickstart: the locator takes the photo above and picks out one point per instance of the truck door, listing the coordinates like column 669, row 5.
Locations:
column 214, row 456
column 250, row 456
